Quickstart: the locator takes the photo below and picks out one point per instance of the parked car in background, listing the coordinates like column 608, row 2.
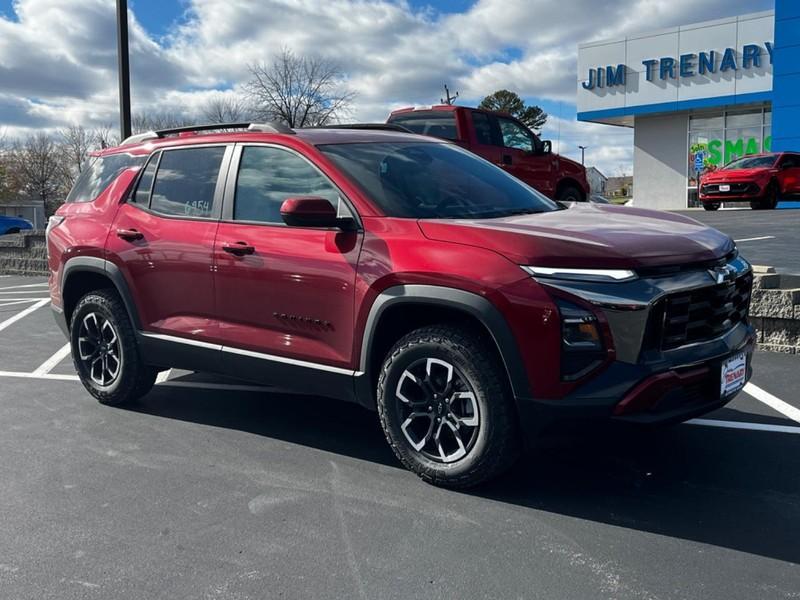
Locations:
column 399, row 272
column 759, row 179
column 13, row 224
column 503, row 140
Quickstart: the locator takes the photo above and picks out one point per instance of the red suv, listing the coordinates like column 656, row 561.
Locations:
column 399, row 272
column 503, row 140
column 760, row 179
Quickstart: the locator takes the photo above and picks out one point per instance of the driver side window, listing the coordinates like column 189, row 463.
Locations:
column 516, row 136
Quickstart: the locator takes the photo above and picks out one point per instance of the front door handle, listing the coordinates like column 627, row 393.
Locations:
column 238, row 248
column 506, row 159
column 130, row 235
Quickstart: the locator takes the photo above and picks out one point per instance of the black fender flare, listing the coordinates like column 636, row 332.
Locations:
column 473, row 304
column 92, row 264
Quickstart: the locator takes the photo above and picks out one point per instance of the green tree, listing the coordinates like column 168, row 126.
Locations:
column 506, row 101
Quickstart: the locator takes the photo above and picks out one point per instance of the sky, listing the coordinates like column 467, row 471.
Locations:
column 58, row 57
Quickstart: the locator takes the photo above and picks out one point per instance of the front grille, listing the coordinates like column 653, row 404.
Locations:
column 705, row 313
column 736, row 189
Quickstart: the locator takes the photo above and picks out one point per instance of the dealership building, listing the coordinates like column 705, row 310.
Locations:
column 696, row 96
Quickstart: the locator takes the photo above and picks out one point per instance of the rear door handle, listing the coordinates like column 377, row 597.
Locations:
column 238, row 248
column 130, row 235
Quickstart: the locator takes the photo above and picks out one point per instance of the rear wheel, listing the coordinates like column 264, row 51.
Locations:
column 770, row 200
column 570, row 193
column 711, row 205
column 104, row 350
column 445, row 407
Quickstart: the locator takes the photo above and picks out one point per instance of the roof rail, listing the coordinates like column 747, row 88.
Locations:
column 161, row 133
column 378, row 126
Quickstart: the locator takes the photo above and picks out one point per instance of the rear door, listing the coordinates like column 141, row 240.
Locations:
column 289, row 295
column 163, row 239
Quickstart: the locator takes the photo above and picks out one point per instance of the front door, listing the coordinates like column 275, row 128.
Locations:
column 789, row 175
column 284, row 294
column 522, row 156
column 163, row 237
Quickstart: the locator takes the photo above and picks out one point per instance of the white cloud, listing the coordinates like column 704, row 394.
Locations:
column 58, row 60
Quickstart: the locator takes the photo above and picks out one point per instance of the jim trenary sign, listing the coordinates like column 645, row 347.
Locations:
column 684, row 66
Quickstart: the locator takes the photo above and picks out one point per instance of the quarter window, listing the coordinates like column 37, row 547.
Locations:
column 142, row 194
column 186, row 181
column 268, row 176
column 483, row 128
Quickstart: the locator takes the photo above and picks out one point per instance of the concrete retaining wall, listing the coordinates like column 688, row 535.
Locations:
column 775, row 310
column 23, row 254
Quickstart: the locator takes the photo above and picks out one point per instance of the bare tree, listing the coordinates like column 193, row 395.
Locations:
column 298, row 90
column 38, row 165
column 76, row 142
column 104, row 136
column 153, row 121
column 225, row 109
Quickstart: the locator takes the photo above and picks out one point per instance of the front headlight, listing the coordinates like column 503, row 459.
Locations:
column 593, row 275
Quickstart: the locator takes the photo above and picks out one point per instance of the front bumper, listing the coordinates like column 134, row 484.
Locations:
column 655, row 379
column 739, row 191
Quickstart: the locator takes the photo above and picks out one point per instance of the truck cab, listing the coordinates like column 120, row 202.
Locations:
column 503, row 140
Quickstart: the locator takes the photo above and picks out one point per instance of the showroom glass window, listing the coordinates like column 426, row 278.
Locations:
column 719, row 137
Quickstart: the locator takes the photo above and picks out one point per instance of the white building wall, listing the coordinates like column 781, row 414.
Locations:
column 660, row 158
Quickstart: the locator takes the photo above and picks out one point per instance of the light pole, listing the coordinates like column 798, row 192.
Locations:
column 583, row 152
column 124, row 70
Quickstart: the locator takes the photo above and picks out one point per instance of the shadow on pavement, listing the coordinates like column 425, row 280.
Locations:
column 730, row 488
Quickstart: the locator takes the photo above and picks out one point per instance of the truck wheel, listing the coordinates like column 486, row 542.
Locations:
column 770, row 199
column 445, row 407
column 570, row 194
column 711, row 205
column 104, row 350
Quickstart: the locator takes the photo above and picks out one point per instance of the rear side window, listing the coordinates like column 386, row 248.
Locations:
column 483, row 128
column 437, row 123
column 186, row 181
column 142, row 194
column 98, row 173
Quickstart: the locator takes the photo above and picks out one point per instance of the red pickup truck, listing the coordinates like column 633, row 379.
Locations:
column 503, row 140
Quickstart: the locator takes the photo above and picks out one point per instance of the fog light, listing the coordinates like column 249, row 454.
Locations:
column 581, row 343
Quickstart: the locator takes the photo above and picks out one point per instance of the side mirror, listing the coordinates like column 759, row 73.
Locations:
column 311, row 211
column 547, row 146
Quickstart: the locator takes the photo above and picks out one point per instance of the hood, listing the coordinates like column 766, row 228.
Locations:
column 589, row 236
column 735, row 174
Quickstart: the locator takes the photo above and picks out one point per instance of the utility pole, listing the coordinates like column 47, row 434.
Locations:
column 448, row 99
column 124, row 70
column 583, row 152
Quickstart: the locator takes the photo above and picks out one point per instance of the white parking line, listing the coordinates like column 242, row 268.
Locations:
column 23, row 375
column 27, row 285
column 11, row 292
column 744, row 425
column 53, row 361
column 16, row 301
column 755, row 239
column 773, row 402
column 21, row 315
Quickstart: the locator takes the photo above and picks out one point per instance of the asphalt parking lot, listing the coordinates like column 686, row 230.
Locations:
column 764, row 237
column 218, row 489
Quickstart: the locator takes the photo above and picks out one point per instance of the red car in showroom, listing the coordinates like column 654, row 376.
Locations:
column 397, row 271
column 760, row 179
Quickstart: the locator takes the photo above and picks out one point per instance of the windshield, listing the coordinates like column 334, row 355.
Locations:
column 752, row 162
column 434, row 181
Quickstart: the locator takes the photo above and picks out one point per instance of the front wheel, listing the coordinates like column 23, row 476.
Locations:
column 711, row 205
column 104, row 350
column 445, row 407
column 570, row 194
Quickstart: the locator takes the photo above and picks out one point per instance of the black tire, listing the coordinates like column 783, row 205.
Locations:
column 13, row 230
column 494, row 442
column 132, row 378
column 770, row 200
column 570, row 193
column 711, row 205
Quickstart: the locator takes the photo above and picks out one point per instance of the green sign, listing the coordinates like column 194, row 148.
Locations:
column 718, row 152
